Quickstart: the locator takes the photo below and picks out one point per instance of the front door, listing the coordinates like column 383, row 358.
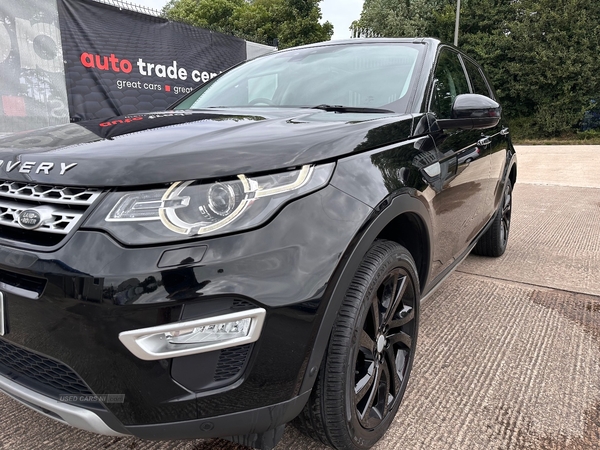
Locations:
column 463, row 174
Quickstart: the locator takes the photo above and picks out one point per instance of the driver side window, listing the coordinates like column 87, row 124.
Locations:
column 450, row 81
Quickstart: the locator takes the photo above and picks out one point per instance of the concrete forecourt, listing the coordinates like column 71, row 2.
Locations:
column 509, row 348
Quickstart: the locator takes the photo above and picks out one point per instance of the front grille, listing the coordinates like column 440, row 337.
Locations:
column 60, row 208
column 49, row 194
column 39, row 373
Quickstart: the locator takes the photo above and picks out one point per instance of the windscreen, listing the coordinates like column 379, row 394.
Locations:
column 360, row 75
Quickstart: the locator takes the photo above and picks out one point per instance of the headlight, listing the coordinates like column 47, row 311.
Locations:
column 190, row 208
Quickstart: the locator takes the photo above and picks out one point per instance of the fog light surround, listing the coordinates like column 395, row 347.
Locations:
column 195, row 336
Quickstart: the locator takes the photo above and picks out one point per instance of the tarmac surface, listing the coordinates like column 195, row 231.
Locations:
column 509, row 348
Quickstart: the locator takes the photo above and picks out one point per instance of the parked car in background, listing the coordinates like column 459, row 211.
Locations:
column 591, row 118
column 467, row 158
column 256, row 254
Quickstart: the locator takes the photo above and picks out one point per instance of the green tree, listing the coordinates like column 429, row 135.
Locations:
column 560, row 40
column 300, row 23
column 292, row 22
column 204, row 13
column 541, row 55
column 395, row 18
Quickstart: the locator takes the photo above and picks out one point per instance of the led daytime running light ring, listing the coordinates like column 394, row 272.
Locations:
column 170, row 219
column 303, row 177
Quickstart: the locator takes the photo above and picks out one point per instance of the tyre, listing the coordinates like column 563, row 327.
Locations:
column 367, row 364
column 495, row 239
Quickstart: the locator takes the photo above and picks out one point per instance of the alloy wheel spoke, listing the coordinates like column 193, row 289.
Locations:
column 368, row 406
column 383, row 405
column 388, row 288
column 400, row 337
column 406, row 316
column 366, row 341
column 396, row 381
column 400, row 285
column 375, row 311
column 365, row 383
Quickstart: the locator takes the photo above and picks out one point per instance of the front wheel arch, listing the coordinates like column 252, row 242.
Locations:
column 379, row 225
column 367, row 366
column 409, row 230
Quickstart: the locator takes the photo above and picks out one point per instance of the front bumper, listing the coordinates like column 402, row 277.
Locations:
column 72, row 415
column 254, row 421
column 71, row 304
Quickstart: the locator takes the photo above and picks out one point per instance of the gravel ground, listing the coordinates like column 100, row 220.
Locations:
column 509, row 348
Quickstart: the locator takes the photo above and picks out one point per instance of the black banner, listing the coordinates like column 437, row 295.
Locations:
column 120, row 62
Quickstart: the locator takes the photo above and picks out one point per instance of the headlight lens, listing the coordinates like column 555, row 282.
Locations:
column 190, row 208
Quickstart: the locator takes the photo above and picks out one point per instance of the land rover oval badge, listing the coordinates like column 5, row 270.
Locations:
column 30, row 219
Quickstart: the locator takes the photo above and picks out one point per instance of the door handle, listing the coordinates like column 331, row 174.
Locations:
column 484, row 141
column 504, row 131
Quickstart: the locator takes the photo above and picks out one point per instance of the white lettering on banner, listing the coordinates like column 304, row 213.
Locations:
column 162, row 71
column 172, row 71
column 198, row 76
column 59, row 109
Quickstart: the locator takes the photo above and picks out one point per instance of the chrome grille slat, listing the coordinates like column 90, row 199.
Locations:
column 63, row 219
column 49, row 193
column 60, row 210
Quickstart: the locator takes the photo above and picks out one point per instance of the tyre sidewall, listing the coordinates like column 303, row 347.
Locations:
column 361, row 438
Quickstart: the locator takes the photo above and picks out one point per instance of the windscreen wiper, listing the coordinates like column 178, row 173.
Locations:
column 351, row 109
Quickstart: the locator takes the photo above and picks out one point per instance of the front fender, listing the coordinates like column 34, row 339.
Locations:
column 407, row 202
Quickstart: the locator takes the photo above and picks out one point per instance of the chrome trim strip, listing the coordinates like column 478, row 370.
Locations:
column 18, row 291
column 70, row 415
column 144, row 344
column 42, row 193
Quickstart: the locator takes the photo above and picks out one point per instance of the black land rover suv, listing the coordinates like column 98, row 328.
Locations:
column 257, row 253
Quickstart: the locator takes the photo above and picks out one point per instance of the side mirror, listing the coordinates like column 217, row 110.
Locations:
column 472, row 111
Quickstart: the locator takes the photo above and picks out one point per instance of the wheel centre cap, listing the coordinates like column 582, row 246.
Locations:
column 380, row 343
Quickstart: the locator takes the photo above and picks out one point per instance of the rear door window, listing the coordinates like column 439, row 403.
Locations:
column 477, row 81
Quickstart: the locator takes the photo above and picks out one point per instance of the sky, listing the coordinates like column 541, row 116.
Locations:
column 341, row 13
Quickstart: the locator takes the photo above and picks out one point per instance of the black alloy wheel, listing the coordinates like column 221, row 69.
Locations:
column 384, row 348
column 495, row 239
column 367, row 366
